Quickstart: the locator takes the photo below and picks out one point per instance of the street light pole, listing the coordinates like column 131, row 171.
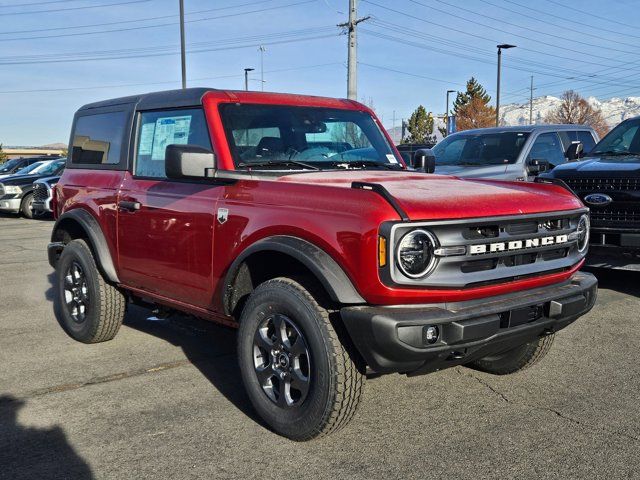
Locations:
column 446, row 114
column 183, row 53
column 262, row 50
column 500, row 47
column 246, row 77
column 531, row 103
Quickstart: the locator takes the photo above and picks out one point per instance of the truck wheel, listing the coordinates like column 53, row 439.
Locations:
column 516, row 359
column 90, row 309
column 298, row 376
column 25, row 206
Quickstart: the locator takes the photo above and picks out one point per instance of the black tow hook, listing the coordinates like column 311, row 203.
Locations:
column 456, row 356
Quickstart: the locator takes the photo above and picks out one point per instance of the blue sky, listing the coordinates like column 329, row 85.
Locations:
column 410, row 52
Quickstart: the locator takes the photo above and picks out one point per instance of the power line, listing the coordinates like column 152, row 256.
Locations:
column 593, row 15
column 564, row 26
column 39, row 3
column 164, row 54
column 120, row 22
column 75, row 8
column 171, row 24
column 169, row 82
column 524, row 28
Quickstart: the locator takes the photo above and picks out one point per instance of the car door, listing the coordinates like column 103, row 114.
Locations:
column 548, row 147
column 165, row 227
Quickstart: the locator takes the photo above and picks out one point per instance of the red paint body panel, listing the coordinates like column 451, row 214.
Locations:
column 173, row 247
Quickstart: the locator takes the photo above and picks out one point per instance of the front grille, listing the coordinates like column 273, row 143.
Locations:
column 588, row 185
column 497, row 250
column 1, row 190
column 608, row 216
column 40, row 192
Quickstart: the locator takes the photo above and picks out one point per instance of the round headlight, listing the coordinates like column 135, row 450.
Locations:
column 583, row 233
column 414, row 254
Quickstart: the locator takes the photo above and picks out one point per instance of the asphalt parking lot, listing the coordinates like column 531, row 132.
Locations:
column 164, row 400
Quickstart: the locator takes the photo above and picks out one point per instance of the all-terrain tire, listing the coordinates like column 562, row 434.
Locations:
column 104, row 304
column 25, row 206
column 335, row 383
column 516, row 359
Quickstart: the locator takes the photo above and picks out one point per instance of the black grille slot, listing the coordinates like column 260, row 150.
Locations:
column 479, row 233
column 40, row 192
column 554, row 254
column 479, row 265
column 603, row 184
column 521, row 228
column 523, row 259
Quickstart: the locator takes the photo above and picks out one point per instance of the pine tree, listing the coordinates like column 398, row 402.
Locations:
column 472, row 109
column 474, row 90
column 420, row 127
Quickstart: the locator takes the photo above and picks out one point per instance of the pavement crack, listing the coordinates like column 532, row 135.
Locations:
column 541, row 408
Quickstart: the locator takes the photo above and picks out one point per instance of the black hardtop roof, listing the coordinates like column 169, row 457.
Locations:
column 164, row 99
column 528, row 128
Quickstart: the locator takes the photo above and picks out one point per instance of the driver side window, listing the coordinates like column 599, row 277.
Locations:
column 547, row 147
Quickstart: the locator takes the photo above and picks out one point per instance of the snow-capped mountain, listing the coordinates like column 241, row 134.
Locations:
column 614, row 110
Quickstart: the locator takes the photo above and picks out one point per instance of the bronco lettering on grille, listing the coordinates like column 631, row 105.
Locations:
column 517, row 244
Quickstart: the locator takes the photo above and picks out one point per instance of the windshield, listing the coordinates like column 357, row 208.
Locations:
column 277, row 136
column 8, row 166
column 29, row 169
column 622, row 140
column 480, row 149
column 47, row 168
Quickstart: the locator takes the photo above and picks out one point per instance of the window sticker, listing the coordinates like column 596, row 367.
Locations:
column 391, row 158
column 168, row 131
column 146, row 139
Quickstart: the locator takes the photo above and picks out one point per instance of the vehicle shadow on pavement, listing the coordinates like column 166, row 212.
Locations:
column 31, row 452
column 622, row 281
column 208, row 347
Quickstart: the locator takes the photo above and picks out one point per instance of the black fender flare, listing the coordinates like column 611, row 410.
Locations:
column 96, row 238
column 330, row 275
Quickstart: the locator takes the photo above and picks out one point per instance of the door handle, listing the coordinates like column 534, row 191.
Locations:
column 130, row 206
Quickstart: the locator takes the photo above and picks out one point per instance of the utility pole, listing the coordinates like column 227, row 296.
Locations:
column 500, row 47
column 531, row 102
column 183, row 53
column 352, row 44
column 262, row 50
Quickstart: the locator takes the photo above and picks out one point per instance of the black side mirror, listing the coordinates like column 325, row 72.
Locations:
column 575, row 151
column 535, row 167
column 188, row 161
column 424, row 160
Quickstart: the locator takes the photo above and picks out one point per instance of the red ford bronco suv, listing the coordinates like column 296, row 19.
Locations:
column 295, row 219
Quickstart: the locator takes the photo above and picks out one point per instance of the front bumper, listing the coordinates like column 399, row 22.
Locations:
column 43, row 206
column 10, row 205
column 392, row 339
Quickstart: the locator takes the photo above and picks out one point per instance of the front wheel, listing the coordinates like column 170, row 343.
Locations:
column 517, row 358
column 26, row 206
column 298, row 376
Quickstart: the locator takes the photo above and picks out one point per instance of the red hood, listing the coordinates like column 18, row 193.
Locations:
column 425, row 196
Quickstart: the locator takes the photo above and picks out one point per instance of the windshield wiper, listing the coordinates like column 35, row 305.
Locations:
column 278, row 163
column 360, row 164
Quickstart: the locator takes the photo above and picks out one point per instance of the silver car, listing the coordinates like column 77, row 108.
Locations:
column 511, row 153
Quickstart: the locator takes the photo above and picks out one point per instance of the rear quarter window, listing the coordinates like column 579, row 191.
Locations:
column 97, row 139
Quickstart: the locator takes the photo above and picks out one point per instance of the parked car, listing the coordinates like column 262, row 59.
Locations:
column 306, row 231
column 12, row 166
column 608, row 181
column 16, row 191
column 511, row 153
column 42, row 195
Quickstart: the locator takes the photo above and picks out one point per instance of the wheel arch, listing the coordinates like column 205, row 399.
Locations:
column 78, row 223
column 279, row 256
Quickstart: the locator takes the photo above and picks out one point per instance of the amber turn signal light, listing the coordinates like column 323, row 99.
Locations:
column 382, row 251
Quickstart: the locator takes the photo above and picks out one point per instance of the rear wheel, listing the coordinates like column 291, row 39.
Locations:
column 89, row 308
column 297, row 374
column 516, row 359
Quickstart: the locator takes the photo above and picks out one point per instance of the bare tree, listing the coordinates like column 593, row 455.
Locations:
column 575, row 109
